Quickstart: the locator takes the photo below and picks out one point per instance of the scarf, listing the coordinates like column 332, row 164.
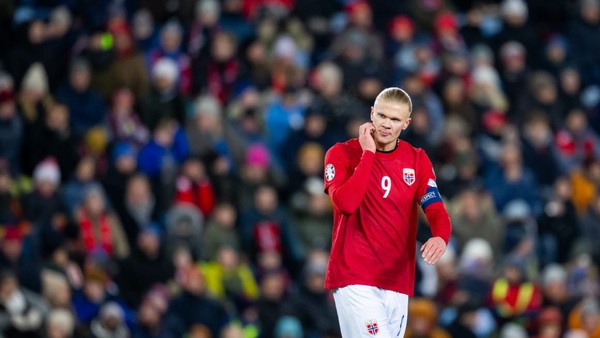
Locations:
column 89, row 238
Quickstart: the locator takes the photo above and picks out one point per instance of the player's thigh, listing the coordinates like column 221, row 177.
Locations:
column 397, row 306
column 362, row 312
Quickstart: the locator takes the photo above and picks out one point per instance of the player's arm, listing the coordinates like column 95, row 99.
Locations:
column 345, row 187
column 435, row 211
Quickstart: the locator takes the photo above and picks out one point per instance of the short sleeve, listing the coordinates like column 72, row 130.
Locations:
column 427, row 191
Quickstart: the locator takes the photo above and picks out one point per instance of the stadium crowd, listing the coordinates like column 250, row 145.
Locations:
column 161, row 162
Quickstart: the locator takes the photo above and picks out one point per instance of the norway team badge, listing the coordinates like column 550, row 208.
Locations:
column 329, row 172
column 372, row 327
column 409, row 175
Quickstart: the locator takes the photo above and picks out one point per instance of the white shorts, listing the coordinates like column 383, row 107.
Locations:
column 367, row 311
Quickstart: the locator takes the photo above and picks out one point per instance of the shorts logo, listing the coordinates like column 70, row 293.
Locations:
column 409, row 175
column 329, row 172
column 372, row 327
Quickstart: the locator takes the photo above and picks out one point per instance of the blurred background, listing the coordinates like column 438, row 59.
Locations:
column 161, row 162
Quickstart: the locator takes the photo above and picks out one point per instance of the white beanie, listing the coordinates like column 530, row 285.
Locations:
column 63, row 319
column 514, row 7
column 35, row 78
column 48, row 171
column 165, row 67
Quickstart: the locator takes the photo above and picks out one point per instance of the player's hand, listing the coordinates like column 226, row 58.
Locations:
column 365, row 136
column 433, row 249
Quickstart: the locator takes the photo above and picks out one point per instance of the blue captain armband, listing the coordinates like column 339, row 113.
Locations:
column 432, row 195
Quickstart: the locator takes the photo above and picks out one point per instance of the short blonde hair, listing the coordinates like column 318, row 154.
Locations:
column 395, row 95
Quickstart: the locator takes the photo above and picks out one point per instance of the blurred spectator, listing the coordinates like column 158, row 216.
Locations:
column 585, row 183
column 465, row 321
column 266, row 227
column 514, row 74
column 52, row 137
column 32, row 46
column 160, row 157
column 556, row 54
column 401, row 47
column 100, row 229
column 576, row 141
column 138, row 207
column 513, row 296
column 589, row 227
column 11, row 129
column 185, row 228
column 34, row 97
column 164, row 101
column 143, row 29
column 147, row 265
column 84, row 103
column 474, row 215
column 128, row 69
column 110, row 322
column 18, row 255
column 510, row 180
column 10, row 191
column 74, row 190
column 312, row 304
column 229, row 279
column 549, row 323
column 312, row 213
column 512, row 330
column 475, row 269
column 454, row 96
column 217, row 72
column 570, row 87
column 554, row 290
column 150, row 318
column 193, row 187
column 315, row 130
column 60, row 323
column 516, row 27
column 170, row 47
column 447, row 37
column 193, row 306
column 23, row 312
column 283, row 115
column 558, row 225
column 486, row 90
column 586, row 316
column 124, row 121
column 44, row 200
column 543, row 95
column 205, row 23
column 220, row 231
column 273, row 302
column 423, row 320
column 584, row 36
column 539, row 152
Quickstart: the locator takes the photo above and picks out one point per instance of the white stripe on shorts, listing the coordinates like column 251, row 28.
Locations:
column 367, row 312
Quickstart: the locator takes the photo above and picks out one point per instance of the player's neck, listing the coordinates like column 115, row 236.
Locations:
column 387, row 148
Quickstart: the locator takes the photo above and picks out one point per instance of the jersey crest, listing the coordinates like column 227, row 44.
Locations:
column 329, row 172
column 372, row 327
column 409, row 175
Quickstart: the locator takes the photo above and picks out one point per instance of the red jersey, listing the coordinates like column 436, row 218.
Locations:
column 375, row 198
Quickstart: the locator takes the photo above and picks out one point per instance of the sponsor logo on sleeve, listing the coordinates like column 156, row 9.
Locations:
column 329, row 172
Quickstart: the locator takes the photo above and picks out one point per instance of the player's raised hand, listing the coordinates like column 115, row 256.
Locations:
column 433, row 249
column 365, row 136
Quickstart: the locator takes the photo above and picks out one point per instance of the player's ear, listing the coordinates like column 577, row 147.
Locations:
column 371, row 114
column 408, row 121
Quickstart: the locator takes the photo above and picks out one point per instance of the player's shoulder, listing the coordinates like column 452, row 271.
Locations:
column 407, row 148
column 348, row 147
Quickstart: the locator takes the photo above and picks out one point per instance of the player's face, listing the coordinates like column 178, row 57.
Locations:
column 389, row 119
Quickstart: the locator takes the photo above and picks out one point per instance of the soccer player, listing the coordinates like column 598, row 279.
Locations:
column 375, row 183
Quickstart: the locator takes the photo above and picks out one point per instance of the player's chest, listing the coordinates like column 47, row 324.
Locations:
column 393, row 181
